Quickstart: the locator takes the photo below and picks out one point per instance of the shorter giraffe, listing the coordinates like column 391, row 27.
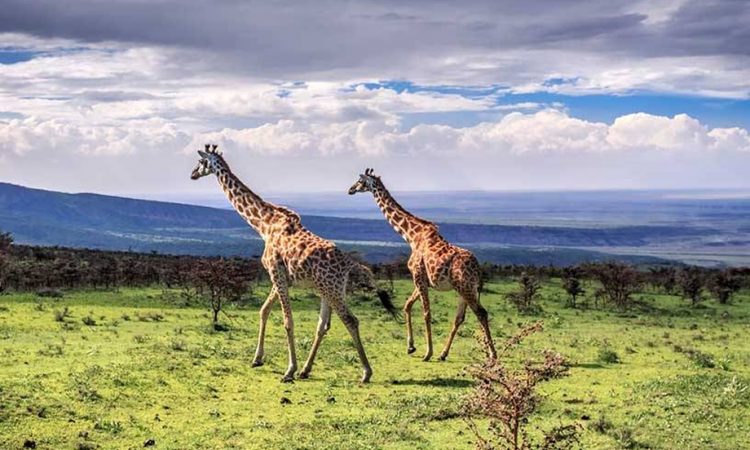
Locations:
column 434, row 262
column 293, row 254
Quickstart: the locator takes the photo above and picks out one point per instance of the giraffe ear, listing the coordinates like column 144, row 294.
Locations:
column 203, row 154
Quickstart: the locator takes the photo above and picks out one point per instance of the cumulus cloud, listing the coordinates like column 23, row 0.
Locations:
column 61, row 138
column 127, row 88
column 547, row 131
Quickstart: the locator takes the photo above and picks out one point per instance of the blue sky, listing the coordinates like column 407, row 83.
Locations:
column 503, row 96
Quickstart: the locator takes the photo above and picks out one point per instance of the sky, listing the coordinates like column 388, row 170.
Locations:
column 116, row 96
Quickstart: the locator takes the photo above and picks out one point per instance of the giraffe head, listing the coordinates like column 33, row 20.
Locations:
column 366, row 182
column 211, row 161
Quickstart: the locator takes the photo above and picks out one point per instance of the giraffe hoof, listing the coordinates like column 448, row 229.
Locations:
column 257, row 363
column 366, row 378
column 411, row 350
column 427, row 358
column 287, row 379
column 442, row 357
column 305, row 374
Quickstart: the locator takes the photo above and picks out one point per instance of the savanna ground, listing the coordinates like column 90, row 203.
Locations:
column 143, row 369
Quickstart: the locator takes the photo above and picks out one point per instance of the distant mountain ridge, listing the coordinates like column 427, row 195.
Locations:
column 41, row 217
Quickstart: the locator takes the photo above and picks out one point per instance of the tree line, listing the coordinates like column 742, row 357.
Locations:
column 25, row 268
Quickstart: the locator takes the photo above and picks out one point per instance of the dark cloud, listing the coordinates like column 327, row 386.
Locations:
column 294, row 39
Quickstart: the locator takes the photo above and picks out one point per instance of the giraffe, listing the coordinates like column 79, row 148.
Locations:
column 434, row 262
column 293, row 254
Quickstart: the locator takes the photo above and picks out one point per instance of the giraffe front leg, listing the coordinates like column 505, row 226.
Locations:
column 264, row 312
column 324, row 324
column 407, row 315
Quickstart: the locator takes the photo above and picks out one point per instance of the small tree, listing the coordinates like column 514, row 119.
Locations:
column 222, row 281
column 525, row 297
column 508, row 397
column 6, row 240
column 619, row 282
column 572, row 285
column 691, row 284
column 723, row 285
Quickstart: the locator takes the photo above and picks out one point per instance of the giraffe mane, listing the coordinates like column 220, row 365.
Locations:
column 293, row 220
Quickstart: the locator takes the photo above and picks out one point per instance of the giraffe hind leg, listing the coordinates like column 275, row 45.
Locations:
column 407, row 316
column 286, row 308
column 484, row 322
column 427, row 325
column 457, row 321
column 324, row 324
column 352, row 325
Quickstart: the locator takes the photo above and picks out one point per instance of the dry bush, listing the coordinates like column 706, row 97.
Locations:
column 691, row 283
column 526, row 296
column 619, row 283
column 508, row 397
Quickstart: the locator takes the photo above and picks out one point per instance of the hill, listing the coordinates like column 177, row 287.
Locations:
column 40, row 217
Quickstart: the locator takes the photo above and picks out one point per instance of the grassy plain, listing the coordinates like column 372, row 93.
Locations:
column 144, row 369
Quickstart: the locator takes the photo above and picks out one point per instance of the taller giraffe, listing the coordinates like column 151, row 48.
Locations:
column 294, row 254
column 434, row 262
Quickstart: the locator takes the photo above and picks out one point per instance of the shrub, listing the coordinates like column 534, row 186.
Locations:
column 178, row 345
column 691, row 284
column 526, row 296
column 607, row 356
column 700, row 359
column 723, row 286
column 507, row 397
column 572, row 285
column 49, row 293
column 619, row 282
column 88, row 320
column 62, row 314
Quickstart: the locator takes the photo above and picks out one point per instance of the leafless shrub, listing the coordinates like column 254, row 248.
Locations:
column 507, row 397
column 619, row 283
column 527, row 294
column 572, row 285
column 691, row 284
column 723, row 285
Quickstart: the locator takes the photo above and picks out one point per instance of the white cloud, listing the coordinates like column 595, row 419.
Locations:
column 59, row 138
column 547, row 131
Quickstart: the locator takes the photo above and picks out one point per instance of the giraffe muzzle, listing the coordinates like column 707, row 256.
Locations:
column 195, row 175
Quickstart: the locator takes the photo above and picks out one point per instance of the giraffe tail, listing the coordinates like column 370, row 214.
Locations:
column 361, row 276
column 387, row 302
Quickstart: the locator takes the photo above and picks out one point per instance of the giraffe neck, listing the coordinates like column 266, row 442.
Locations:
column 405, row 223
column 247, row 203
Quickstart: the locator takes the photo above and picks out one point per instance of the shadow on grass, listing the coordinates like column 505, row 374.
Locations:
column 591, row 365
column 438, row 382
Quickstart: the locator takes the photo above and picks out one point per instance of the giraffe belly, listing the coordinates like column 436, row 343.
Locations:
column 443, row 284
column 304, row 283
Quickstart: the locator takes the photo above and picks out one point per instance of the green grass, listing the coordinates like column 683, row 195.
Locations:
column 143, row 369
